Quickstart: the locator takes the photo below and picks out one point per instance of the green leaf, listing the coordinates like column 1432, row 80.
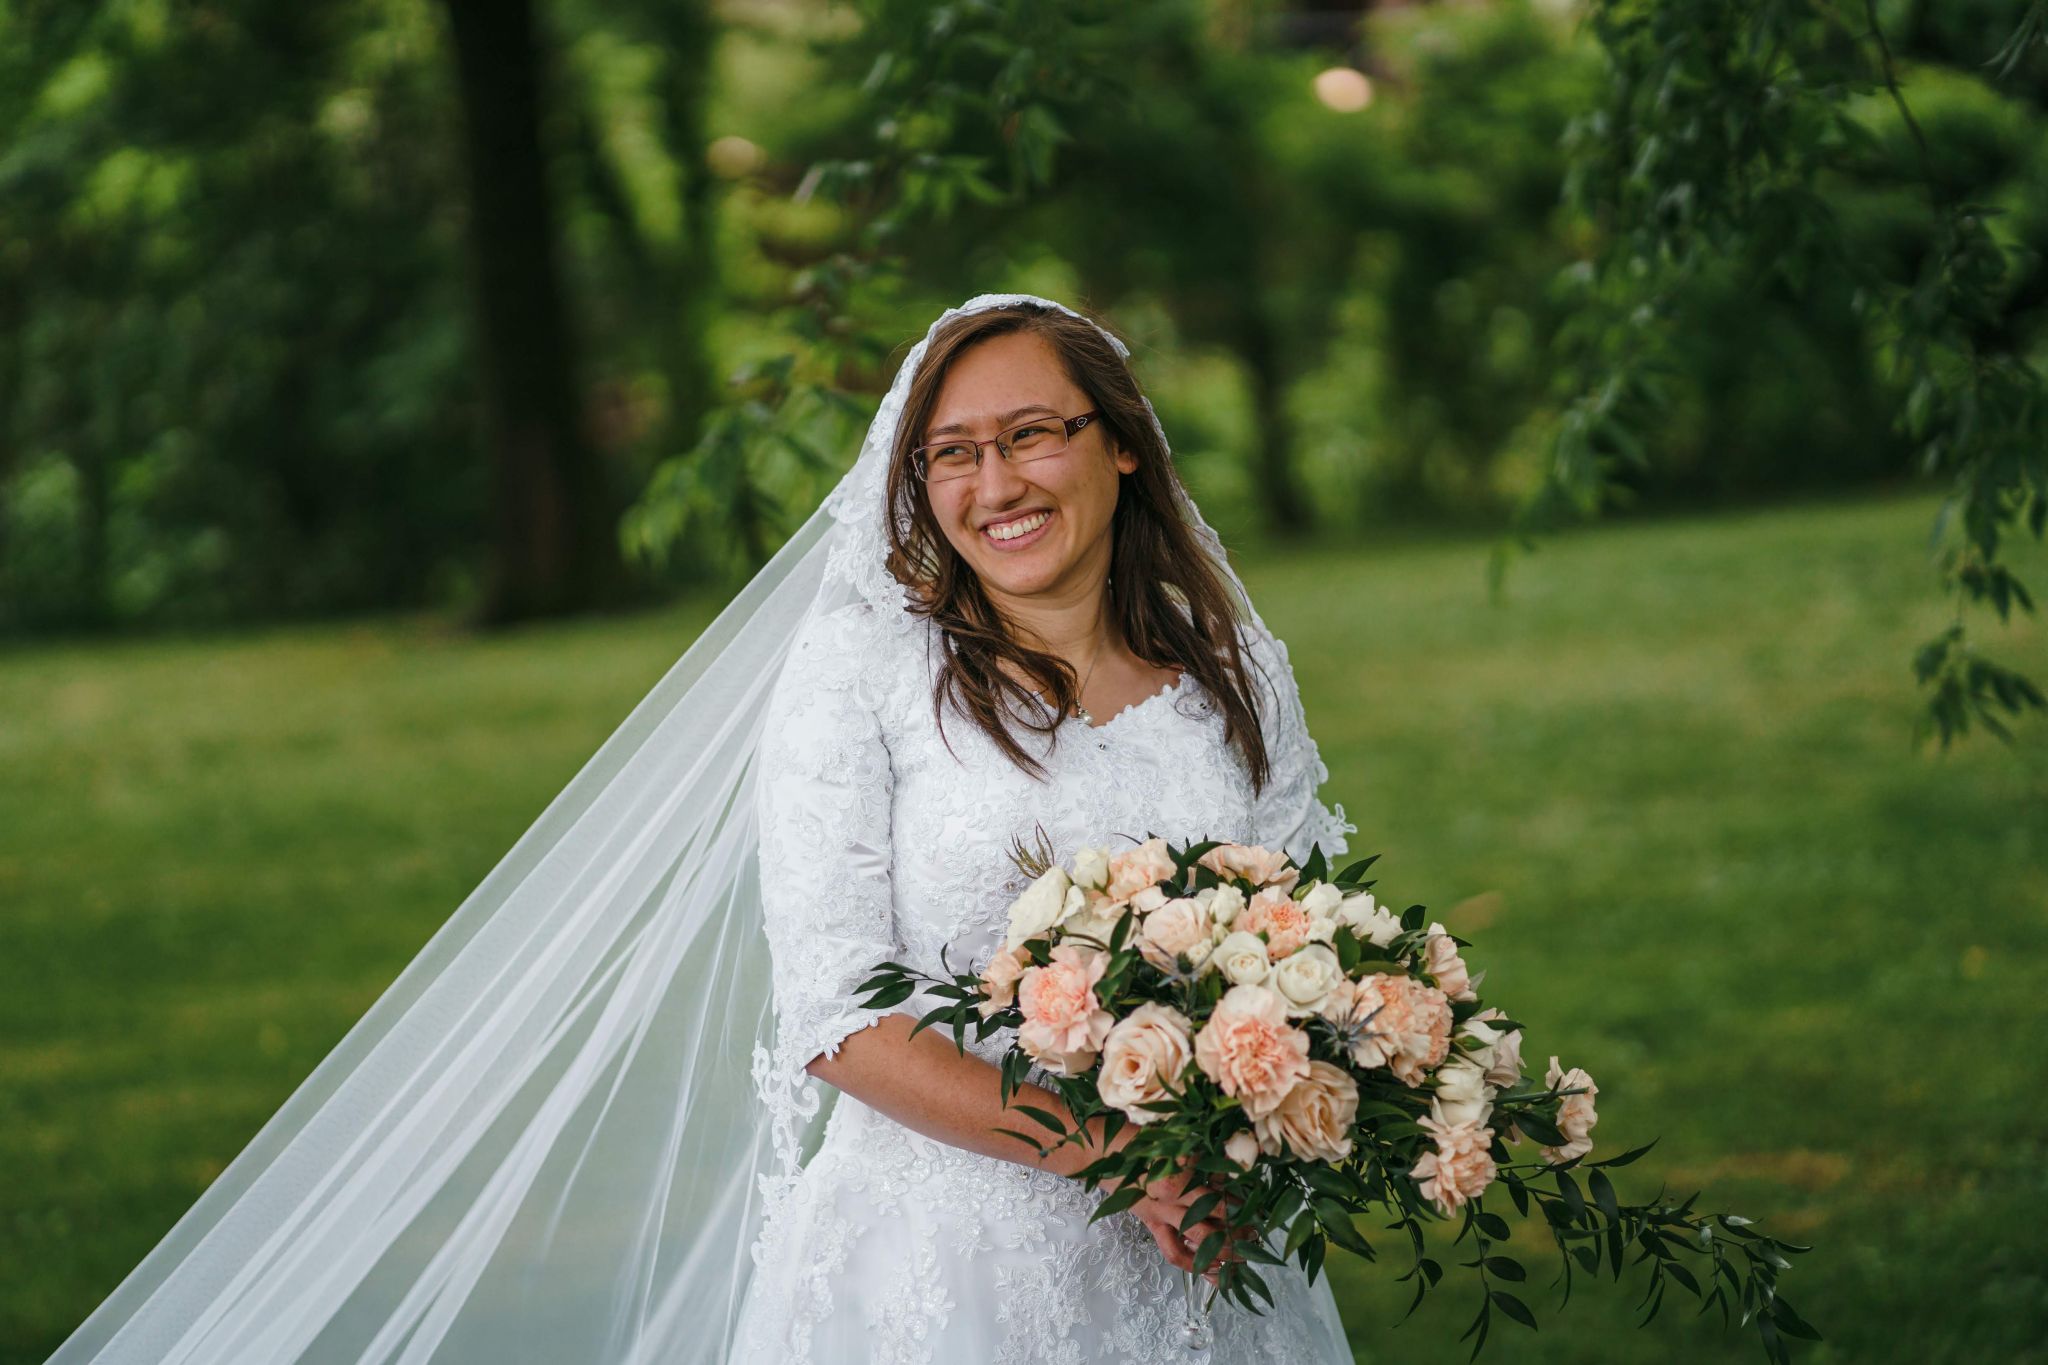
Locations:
column 1118, row 1202
column 1044, row 1118
column 1513, row 1307
column 1603, row 1195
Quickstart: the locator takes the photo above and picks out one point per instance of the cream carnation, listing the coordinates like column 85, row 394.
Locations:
column 1368, row 919
column 1043, row 904
column 1409, row 1034
column 1575, row 1116
column 1259, row 866
column 999, row 979
column 1460, row 1168
column 1091, row 868
column 1179, row 926
column 1313, row 1120
column 1222, row 902
column 1249, row 1049
column 1064, row 1025
column 1440, row 959
column 1143, row 1058
column 1242, row 959
column 1498, row 1053
column 1307, row 977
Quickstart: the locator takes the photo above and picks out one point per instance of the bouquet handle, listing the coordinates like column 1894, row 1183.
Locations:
column 1196, row 1336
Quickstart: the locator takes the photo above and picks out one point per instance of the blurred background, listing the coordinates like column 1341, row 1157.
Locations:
column 1631, row 413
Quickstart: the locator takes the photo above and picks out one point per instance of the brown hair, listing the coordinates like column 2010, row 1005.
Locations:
column 1168, row 599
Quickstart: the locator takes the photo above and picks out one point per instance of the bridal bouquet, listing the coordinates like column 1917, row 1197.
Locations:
column 1315, row 1056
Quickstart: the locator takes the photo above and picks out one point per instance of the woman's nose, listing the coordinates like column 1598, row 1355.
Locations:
column 997, row 482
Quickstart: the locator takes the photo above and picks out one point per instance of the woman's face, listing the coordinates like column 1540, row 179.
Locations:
column 992, row 387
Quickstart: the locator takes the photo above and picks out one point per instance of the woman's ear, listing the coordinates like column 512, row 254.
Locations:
column 1126, row 461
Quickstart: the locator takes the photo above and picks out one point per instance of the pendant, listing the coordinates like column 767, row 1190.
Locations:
column 1082, row 712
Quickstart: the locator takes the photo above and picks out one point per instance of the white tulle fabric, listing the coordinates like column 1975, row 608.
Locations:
column 574, row 1128
column 877, row 843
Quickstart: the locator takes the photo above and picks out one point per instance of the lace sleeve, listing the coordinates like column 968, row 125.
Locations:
column 823, row 806
column 1289, row 813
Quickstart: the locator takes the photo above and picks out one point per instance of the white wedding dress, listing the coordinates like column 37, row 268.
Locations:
column 877, row 843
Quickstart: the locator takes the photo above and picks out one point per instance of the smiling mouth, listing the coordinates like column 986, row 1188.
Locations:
column 1023, row 528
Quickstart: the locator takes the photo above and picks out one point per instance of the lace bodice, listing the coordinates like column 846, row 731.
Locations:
column 883, row 839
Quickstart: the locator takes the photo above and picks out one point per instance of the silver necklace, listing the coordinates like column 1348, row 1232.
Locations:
column 1079, row 709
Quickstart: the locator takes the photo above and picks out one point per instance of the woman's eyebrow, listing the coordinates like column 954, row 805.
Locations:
column 1002, row 421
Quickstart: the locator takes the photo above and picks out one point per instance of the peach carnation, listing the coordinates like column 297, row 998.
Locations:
column 1064, row 1025
column 1409, row 1034
column 1285, row 921
column 1313, row 1120
column 1460, row 1168
column 1440, row 959
column 1259, row 866
column 1143, row 1058
column 1134, row 869
column 1575, row 1116
column 1249, row 1049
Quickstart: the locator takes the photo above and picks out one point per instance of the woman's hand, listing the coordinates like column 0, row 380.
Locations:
column 1165, row 1203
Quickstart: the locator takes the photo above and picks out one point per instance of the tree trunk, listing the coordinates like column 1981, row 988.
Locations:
column 554, row 546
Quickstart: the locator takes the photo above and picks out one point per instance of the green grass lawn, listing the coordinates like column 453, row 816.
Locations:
column 1667, row 787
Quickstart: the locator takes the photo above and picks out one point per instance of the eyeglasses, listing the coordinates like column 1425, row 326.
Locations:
column 1038, row 439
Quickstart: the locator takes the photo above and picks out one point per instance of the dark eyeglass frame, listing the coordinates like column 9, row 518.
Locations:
column 1001, row 441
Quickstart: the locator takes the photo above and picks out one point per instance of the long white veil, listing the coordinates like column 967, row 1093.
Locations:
column 552, row 1138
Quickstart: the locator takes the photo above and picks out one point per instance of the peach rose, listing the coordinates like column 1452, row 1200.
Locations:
column 1179, row 926
column 1064, row 1025
column 999, row 979
column 1259, row 866
column 1134, row 869
column 1440, row 959
column 1250, row 1050
column 1143, row 1058
column 1313, row 1120
column 1575, row 1116
column 1286, row 923
column 1460, row 1168
column 1242, row 1148
column 1409, row 1034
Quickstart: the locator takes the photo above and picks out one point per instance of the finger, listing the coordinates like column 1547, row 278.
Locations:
column 1170, row 1246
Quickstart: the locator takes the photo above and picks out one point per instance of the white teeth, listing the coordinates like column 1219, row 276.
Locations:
column 1012, row 530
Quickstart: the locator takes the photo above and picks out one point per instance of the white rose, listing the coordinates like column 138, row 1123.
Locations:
column 1097, row 923
column 1091, row 867
column 1306, row 977
column 1148, row 899
column 1242, row 959
column 1223, row 903
column 1042, row 905
column 1462, row 1094
column 1368, row 919
column 1242, row 1148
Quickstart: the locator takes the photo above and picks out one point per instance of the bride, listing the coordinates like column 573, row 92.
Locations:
column 588, row 1124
